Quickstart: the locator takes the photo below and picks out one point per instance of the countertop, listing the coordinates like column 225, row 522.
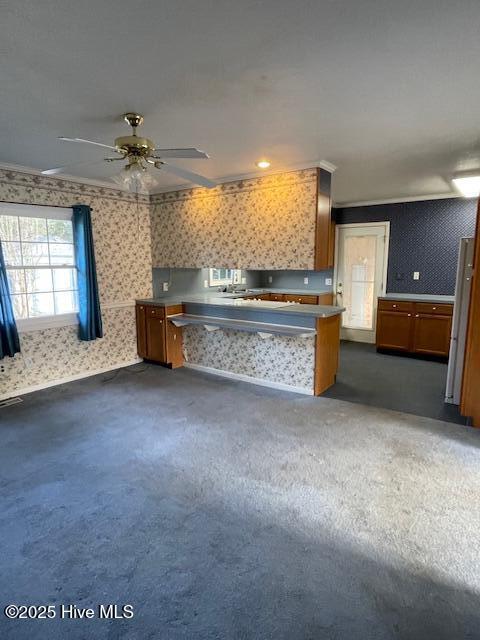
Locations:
column 295, row 292
column 228, row 300
column 418, row 297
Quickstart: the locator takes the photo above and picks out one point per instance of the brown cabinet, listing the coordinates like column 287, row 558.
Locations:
column 414, row 327
column 155, row 338
column 325, row 298
column 158, row 339
column 394, row 330
column 325, row 225
column 302, row 299
column 141, row 330
column 431, row 334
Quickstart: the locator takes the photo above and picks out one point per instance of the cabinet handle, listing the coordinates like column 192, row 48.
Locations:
column 417, row 315
column 394, row 306
column 152, row 312
column 434, row 308
column 409, row 314
column 141, row 308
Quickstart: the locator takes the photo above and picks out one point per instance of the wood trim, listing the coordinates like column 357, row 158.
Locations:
column 323, row 222
column 470, row 397
column 327, row 346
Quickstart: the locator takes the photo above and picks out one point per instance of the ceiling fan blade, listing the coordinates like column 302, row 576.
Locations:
column 188, row 152
column 189, row 175
column 97, row 144
column 52, row 172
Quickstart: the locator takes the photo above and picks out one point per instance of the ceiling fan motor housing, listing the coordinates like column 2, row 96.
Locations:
column 135, row 146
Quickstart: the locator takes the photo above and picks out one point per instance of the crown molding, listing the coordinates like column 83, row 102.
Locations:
column 399, row 200
column 107, row 184
column 260, row 173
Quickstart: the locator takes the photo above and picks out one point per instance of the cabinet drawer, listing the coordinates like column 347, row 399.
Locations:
column 278, row 297
column 395, row 305
column 290, row 297
column 434, row 309
column 155, row 312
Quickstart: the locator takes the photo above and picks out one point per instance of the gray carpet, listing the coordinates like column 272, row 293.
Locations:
column 222, row 510
column 392, row 381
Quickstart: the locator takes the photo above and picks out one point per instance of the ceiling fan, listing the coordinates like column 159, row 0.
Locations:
column 140, row 154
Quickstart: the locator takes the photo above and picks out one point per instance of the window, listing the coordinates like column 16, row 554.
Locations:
column 39, row 255
column 224, row 277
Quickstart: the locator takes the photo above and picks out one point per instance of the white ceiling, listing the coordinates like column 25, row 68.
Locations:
column 387, row 91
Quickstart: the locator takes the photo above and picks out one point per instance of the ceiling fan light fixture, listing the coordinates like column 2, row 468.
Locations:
column 263, row 163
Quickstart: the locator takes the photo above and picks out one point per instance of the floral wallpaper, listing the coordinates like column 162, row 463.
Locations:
column 262, row 223
column 282, row 359
column 121, row 230
column 53, row 354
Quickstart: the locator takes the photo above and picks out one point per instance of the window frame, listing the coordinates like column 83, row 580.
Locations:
column 235, row 278
column 50, row 213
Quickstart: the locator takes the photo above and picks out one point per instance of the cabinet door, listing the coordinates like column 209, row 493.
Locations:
column 141, row 330
column 432, row 334
column 302, row 299
column 174, row 345
column 325, row 298
column 394, row 330
column 155, row 338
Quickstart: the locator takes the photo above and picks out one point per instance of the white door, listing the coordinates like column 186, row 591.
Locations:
column 361, row 272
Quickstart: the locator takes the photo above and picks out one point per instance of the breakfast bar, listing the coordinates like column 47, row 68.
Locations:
column 282, row 345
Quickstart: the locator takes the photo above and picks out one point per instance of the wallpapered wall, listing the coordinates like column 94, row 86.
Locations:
column 280, row 359
column 263, row 223
column 121, row 230
column 424, row 237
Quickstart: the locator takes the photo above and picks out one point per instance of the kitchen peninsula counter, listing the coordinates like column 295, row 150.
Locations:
column 282, row 345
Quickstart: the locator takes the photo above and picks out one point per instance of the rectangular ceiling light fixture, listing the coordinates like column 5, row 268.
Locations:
column 468, row 186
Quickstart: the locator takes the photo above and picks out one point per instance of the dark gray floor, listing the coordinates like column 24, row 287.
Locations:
column 393, row 381
column 222, row 510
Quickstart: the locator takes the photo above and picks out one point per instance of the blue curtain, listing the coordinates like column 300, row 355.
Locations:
column 9, row 342
column 89, row 315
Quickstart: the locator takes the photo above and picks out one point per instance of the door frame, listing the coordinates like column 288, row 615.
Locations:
column 383, row 288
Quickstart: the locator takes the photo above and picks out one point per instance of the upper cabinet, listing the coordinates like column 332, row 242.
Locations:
column 280, row 221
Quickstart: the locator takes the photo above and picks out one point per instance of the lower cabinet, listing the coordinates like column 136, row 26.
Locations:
column 414, row 327
column 158, row 339
column 431, row 335
column 324, row 298
column 394, row 330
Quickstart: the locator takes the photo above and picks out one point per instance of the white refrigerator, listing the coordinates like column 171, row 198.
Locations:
column 460, row 318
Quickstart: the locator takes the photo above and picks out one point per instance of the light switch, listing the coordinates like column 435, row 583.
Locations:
column 270, row 279
column 328, row 281
column 305, row 280
column 416, row 275
column 165, row 286
column 205, row 284
column 244, row 281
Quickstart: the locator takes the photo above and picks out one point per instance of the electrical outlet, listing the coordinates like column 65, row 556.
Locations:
column 328, row 281
column 205, row 284
column 244, row 281
column 165, row 286
column 270, row 279
column 2, row 368
column 305, row 280
column 416, row 275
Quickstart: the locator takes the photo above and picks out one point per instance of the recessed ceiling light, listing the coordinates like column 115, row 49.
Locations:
column 263, row 164
column 469, row 186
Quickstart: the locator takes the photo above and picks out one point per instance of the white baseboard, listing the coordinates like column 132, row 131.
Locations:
column 78, row 376
column 250, row 379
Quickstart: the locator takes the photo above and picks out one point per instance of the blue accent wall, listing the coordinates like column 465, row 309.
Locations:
column 424, row 237
column 294, row 280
